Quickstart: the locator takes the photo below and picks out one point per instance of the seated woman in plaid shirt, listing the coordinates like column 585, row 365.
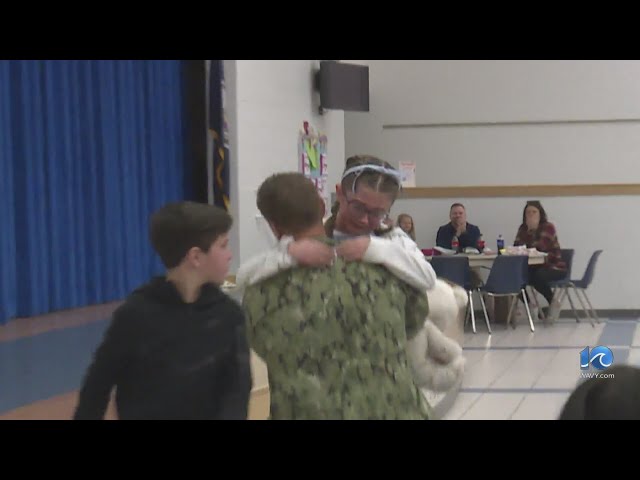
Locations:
column 536, row 231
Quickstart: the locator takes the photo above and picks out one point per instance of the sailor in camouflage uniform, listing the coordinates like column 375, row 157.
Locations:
column 333, row 338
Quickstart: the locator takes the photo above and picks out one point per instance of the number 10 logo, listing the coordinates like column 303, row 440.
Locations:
column 600, row 357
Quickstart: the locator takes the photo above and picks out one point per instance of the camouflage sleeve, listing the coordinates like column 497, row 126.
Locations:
column 255, row 306
column 416, row 311
column 259, row 301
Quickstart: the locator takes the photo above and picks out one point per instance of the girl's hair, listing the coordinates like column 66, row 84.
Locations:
column 412, row 232
column 378, row 175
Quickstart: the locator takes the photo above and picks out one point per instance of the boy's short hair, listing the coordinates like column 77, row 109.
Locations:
column 290, row 201
column 177, row 227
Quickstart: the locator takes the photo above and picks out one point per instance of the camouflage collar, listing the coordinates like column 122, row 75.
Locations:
column 324, row 239
column 339, row 236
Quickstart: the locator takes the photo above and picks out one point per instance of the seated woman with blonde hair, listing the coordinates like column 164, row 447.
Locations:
column 405, row 222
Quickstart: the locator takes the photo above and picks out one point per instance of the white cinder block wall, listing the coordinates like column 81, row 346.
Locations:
column 513, row 123
column 267, row 103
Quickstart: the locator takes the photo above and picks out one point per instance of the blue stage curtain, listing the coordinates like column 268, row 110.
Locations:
column 88, row 149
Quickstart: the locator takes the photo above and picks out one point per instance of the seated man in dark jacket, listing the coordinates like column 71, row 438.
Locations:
column 466, row 233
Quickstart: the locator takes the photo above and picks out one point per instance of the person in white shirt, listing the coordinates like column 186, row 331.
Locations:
column 365, row 195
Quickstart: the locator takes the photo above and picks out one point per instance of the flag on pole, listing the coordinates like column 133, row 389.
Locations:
column 219, row 131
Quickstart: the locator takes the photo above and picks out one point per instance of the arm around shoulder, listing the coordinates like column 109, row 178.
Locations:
column 266, row 264
column 402, row 257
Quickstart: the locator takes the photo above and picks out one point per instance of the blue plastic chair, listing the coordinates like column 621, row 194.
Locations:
column 455, row 268
column 582, row 284
column 508, row 278
column 561, row 287
column 567, row 257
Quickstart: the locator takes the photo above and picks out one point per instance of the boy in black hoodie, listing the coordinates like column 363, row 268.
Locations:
column 176, row 349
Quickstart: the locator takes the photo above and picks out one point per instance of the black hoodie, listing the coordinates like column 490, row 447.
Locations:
column 171, row 360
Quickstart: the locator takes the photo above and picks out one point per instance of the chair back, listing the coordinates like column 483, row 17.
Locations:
column 509, row 274
column 454, row 268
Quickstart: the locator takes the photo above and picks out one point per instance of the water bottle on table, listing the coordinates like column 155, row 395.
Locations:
column 500, row 244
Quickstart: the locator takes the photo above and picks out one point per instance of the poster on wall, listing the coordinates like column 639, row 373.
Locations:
column 407, row 174
column 312, row 154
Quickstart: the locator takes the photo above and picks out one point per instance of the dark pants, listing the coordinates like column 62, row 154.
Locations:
column 540, row 276
column 476, row 280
